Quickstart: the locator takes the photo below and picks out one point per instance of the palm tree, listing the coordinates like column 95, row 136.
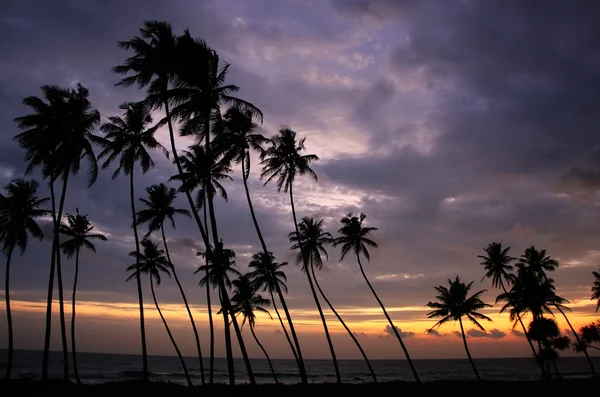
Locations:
column 78, row 230
column 56, row 137
column 129, row 139
column 545, row 331
column 159, row 208
column 19, row 209
column 538, row 263
column 353, row 237
column 154, row 262
column 453, row 304
column 247, row 302
column 309, row 239
column 496, row 263
column 596, row 289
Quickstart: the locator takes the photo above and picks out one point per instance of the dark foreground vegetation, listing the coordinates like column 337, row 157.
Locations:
column 555, row 387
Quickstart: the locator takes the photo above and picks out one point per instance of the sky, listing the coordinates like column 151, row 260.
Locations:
column 449, row 124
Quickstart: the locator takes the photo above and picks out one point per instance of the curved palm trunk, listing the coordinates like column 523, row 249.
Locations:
column 185, row 301
column 138, row 281
column 462, row 330
column 583, row 345
column 227, row 330
column 535, row 355
column 210, row 318
column 296, row 346
column 387, row 316
column 312, row 269
column 185, row 370
column 73, row 300
column 287, row 335
column 312, row 288
column 264, row 352
column 48, row 332
column 9, row 363
column 303, row 376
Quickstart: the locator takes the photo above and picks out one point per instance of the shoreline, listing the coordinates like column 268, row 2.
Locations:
column 28, row 387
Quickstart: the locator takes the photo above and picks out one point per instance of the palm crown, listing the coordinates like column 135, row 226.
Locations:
column 267, row 273
column 353, row 236
column 311, row 241
column 537, row 262
column 453, row 303
column 78, row 229
column 19, row 208
column 219, row 265
column 596, row 289
column 159, row 207
column 496, row 262
column 284, row 160
column 129, row 139
column 246, row 301
column 152, row 261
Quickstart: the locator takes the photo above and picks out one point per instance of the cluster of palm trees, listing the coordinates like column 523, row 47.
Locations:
column 185, row 78
column 530, row 291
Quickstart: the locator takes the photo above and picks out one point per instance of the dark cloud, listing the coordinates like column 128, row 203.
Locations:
column 516, row 332
column 492, row 334
column 434, row 332
column 403, row 334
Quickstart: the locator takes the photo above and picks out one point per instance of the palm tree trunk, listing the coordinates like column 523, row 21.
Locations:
column 535, row 355
column 210, row 318
column 181, row 360
column 73, row 300
column 61, row 301
column 462, row 330
column 285, row 332
column 185, row 301
column 587, row 356
column 48, row 332
column 312, row 288
column 9, row 363
column 312, row 268
column 387, row 316
column 296, row 350
column 228, row 346
column 265, row 353
column 138, row 281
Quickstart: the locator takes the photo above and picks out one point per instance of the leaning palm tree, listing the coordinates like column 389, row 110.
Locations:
column 159, row 208
column 56, row 137
column 78, row 230
column 596, row 289
column 496, row 263
column 453, row 304
column 247, row 302
column 309, row 240
column 19, row 209
column 152, row 261
column 353, row 238
column 129, row 139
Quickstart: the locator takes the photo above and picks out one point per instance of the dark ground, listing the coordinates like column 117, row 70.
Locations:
column 444, row 388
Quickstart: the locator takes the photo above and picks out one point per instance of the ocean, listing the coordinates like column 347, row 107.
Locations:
column 97, row 368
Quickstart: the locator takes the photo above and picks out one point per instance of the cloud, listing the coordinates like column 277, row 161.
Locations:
column 434, row 332
column 492, row 334
column 516, row 332
column 388, row 331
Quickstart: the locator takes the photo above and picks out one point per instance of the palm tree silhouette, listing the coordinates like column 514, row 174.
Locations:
column 78, row 230
column 545, row 331
column 453, row 303
column 283, row 160
column 19, row 208
column 589, row 334
column 129, row 139
column 496, row 263
column 310, row 240
column 596, row 289
column 159, row 209
column 538, row 263
column 56, row 137
column 247, row 302
column 353, row 238
column 152, row 261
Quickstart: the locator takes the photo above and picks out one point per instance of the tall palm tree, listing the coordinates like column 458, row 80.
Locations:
column 453, row 304
column 159, row 208
column 496, row 263
column 536, row 262
column 247, row 302
column 19, row 209
column 353, row 238
column 283, row 160
column 78, row 230
column 309, row 240
column 129, row 139
column 56, row 137
column 152, row 261
column 596, row 289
